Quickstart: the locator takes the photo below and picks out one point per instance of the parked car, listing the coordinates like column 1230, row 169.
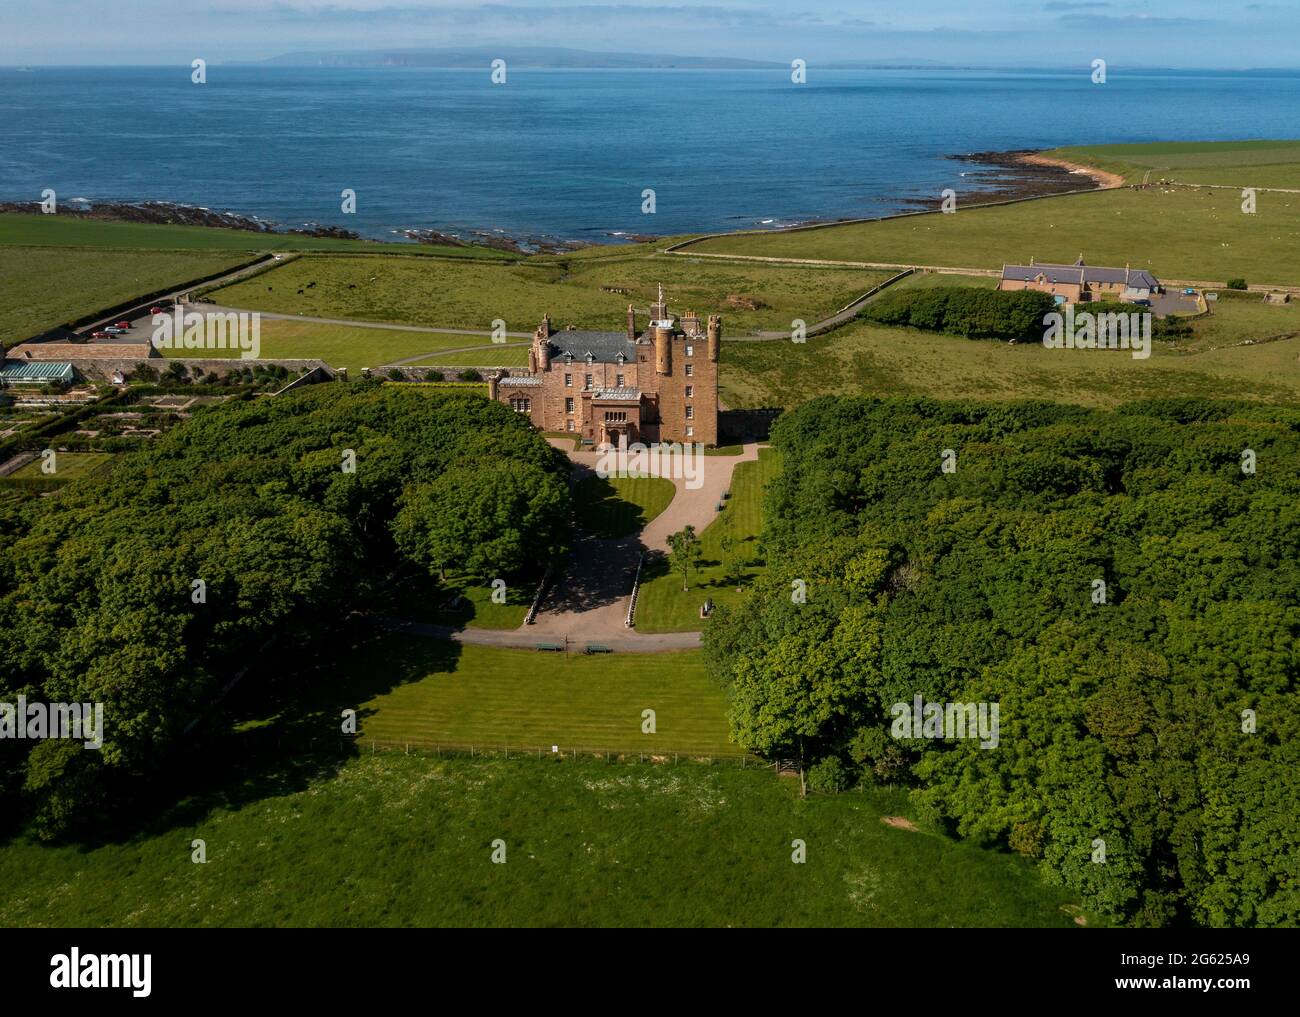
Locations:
column 1190, row 292
column 123, row 325
column 100, row 335
column 155, row 310
column 114, row 330
column 1143, row 303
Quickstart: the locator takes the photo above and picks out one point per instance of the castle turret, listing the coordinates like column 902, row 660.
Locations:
column 691, row 323
column 715, row 337
column 631, row 324
column 663, row 349
column 494, row 384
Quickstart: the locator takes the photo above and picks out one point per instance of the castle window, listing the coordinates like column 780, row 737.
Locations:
column 568, row 425
column 690, row 432
column 568, row 406
column 619, row 381
column 690, row 412
column 690, row 391
column 521, row 405
column 568, row 381
column 690, row 370
column 587, row 384
column 690, row 350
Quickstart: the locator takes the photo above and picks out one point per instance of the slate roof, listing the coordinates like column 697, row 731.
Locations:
column 604, row 347
column 516, row 382
column 628, row 395
column 1139, row 278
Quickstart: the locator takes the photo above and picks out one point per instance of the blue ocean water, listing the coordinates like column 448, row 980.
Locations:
column 567, row 154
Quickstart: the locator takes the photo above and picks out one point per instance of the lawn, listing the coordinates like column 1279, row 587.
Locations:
column 430, row 691
column 65, row 231
column 662, row 605
column 869, row 359
column 67, row 465
column 487, row 355
column 1178, row 233
column 42, row 287
column 398, row 840
column 358, row 346
column 592, row 293
column 459, row 600
column 1228, row 163
column 620, row 506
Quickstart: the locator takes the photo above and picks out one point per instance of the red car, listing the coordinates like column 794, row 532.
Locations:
column 101, row 335
column 123, row 324
column 155, row 310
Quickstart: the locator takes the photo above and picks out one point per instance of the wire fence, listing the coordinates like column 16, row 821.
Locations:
column 658, row 756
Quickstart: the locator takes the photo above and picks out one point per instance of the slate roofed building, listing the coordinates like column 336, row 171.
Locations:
column 659, row 384
column 1078, row 283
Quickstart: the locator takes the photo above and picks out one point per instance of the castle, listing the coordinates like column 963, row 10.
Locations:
column 659, row 385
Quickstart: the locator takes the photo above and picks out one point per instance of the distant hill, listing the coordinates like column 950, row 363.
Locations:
column 515, row 56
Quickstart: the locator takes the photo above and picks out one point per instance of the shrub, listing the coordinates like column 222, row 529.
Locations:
column 469, row 374
column 966, row 311
column 828, row 776
column 395, row 374
column 1237, row 284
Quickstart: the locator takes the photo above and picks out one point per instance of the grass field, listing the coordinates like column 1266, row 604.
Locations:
column 397, row 840
column 434, row 293
column 868, row 359
column 67, row 465
column 662, row 605
column 41, row 287
column 64, row 231
column 489, row 355
column 1178, row 233
column 436, row 692
column 609, row 507
column 357, row 346
column 419, row 597
column 1228, row 163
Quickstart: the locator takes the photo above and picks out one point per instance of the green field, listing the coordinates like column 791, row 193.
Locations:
column 358, row 346
column 416, row 291
column 869, row 359
column 429, row 691
column 610, row 507
column 1178, row 233
column 1228, row 163
column 488, row 355
column 67, row 465
column 65, row 231
column 42, row 287
column 397, row 840
column 662, row 605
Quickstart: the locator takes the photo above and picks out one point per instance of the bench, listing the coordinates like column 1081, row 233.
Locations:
column 598, row 648
column 552, row 647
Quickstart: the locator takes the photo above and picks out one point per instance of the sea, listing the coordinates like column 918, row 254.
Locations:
column 581, row 155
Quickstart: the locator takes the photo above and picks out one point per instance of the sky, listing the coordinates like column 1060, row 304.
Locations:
column 1191, row 34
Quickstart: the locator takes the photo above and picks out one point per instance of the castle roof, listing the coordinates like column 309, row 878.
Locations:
column 604, row 347
column 622, row 395
column 515, row 382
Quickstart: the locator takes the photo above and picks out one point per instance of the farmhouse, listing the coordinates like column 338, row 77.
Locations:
column 656, row 385
column 1071, row 284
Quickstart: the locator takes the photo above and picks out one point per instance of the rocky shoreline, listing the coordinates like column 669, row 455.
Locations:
column 1016, row 175
column 997, row 176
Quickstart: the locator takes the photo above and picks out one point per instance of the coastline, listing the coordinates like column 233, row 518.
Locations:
column 997, row 176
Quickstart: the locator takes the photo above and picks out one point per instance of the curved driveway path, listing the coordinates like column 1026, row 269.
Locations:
column 588, row 602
